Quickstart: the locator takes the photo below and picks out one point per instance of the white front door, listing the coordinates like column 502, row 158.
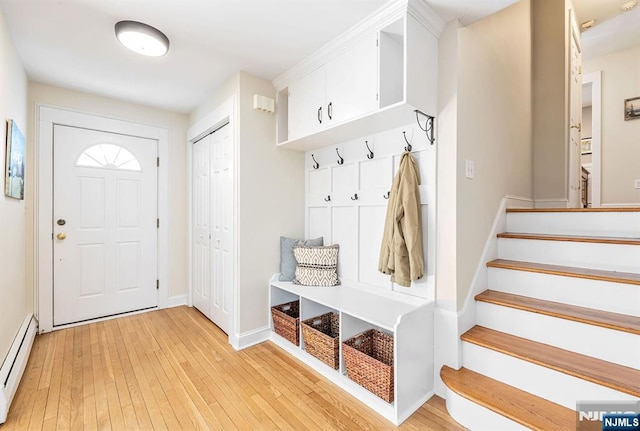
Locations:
column 105, row 206
column 213, row 226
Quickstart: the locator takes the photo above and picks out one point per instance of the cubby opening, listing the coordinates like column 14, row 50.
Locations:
column 391, row 63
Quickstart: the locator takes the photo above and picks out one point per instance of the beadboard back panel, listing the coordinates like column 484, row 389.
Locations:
column 346, row 203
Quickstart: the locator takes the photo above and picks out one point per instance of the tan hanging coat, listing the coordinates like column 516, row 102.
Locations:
column 401, row 253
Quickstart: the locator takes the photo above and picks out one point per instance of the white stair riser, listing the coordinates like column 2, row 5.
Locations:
column 608, row 257
column 544, row 382
column 616, row 224
column 600, row 295
column 478, row 418
column 610, row 345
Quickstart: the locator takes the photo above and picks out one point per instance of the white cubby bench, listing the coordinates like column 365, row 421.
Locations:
column 409, row 319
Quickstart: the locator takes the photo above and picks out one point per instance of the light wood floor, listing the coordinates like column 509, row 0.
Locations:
column 173, row 369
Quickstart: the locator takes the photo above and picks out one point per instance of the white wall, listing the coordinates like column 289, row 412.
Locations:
column 587, row 114
column 620, row 145
column 176, row 124
column 494, row 128
column 270, row 195
column 271, row 187
column 13, row 105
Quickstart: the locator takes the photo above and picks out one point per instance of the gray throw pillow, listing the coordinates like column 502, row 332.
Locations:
column 288, row 261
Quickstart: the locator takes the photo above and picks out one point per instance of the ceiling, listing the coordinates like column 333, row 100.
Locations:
column 71, row 43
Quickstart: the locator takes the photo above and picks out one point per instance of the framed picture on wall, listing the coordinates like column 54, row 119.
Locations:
column 586, row 145
column 632, row 109
column 14, row 162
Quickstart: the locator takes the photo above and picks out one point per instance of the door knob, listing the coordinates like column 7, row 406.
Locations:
column 61, row 236
column 577, row 126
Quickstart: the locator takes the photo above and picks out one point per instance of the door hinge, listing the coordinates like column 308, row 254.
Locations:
column 158, row 223
column 157, row 284
column 377, row 42
column 377, row 95
column 158, row 161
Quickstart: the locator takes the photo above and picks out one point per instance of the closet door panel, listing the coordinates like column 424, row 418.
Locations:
column 371, row 225
column 343, row 221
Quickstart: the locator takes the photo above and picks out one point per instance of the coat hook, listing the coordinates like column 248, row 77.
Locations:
column 387, row 195
column 340, row 159
column 354, row 197
column 370, row 155
column 328, row 198
column 408, row 147
column 428, row 125
column 316, row 165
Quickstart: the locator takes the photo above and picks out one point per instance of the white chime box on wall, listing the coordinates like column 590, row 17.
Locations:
column 263, row 103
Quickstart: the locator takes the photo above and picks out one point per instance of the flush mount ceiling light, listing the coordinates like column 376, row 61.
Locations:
column 626, row 7
column 142, row 38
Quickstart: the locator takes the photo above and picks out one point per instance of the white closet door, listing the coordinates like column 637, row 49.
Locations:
column 222, row 227
column 202, row 225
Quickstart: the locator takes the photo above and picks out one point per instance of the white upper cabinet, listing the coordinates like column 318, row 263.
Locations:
column 352, row 81
column 342, row 89
column 307, row 109
column 369, row 79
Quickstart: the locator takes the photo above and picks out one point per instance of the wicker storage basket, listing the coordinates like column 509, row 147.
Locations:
column 369, row 360
column 286, row 321
column 321, row 338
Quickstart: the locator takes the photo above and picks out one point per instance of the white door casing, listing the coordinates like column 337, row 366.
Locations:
column 47, row 117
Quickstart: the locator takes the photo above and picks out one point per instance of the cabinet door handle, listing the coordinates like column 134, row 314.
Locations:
column 320, row 115
column 330, row 110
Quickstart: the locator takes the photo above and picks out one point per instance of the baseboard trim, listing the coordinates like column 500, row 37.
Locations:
column 552, row 203
column 250, row 338
column 519, row 202
column 15, row 363
column 176, row 301
column 627, row 205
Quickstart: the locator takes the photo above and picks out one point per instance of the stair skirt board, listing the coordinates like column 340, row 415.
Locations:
column 15, row 364
column 596, row 294
column 578, row 337
column 612, row 224
column 476, row 417
column 606, row 257
column 543, row 382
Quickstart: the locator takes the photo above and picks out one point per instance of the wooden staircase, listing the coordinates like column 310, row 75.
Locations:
column 560, row 322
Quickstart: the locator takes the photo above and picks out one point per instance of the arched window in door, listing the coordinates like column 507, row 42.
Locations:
column 108, row 156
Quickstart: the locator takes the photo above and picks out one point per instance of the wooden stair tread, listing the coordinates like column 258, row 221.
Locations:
column 605, row 319
column 573, row 210
column 572, row 238
column 522, row 407
column 614, row 376
column 567, row 271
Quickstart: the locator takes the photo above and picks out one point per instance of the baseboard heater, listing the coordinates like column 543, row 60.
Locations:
column 15, row 363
